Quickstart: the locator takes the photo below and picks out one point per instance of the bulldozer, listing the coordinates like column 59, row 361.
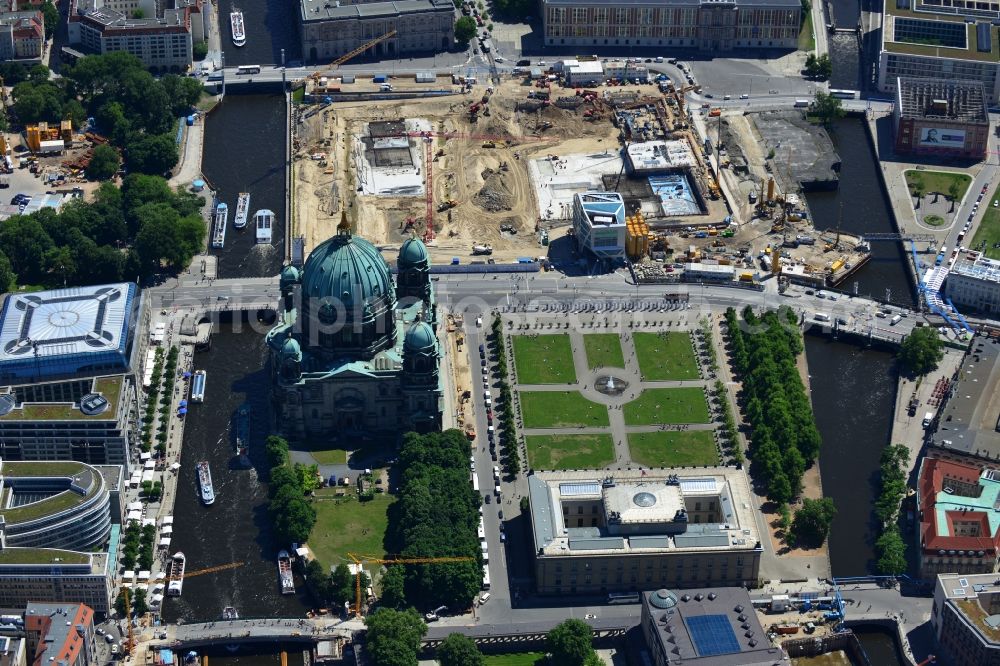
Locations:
column 447, row 204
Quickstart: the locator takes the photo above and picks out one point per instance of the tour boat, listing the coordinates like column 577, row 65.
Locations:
column 175, row 574
column 205, row 487
column 219, row 226
column 236, row 23
column 263, row 220
column 242, row 210
column 285, row 573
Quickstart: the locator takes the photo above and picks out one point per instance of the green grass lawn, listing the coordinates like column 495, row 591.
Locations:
column 665, row 356
column 514, row 659
column 939, row 181
column 561, row 409
column 544, row 359
column 570, row 451
column 348, row 526
column 673, row 449
column 604, row 350
column 807, row 42
column 988, row 231
column 669, row 405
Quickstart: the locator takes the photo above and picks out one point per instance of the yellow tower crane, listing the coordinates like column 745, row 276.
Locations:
column 352, row 54
column 391, row 559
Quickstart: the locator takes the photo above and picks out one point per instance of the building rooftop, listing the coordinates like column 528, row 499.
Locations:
column 968, row 420
column 942, row 99
column 61, row 332
column 660, row 155
column 647, row 511
column 603, row 208
column 63, row 486
column 676, row 3
column 710, row 627
column 62, row 630
column 99, row 401
column 943, row 500
column 977, row 266
column 933, row 32
column 322, row 10
column 974, row 598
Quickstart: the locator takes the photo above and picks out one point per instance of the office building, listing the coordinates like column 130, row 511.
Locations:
column 706, row 25
column 61, row 634
column 599, row 224
column 957, row 40
column 12, row 643
column 964, row 618
column 959, row 527
column 973, row 283
column 22, row 35
column 347, row 354
column 163, row 39
column 67, row 384
column 941, row 118
column 332, row 28
column 967, row 423
column 596, row 533
column 715, row 626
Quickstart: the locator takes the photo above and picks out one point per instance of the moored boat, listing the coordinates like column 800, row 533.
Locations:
column 285, row 573
column 242, row 210
column 263, row 220
column 219, row 225
column 205, row 488
column 198, row 386
column 243, row 430
column 175, row 574
column 239, row 30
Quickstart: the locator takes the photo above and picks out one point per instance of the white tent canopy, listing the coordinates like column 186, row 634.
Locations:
column 145, row 455
column 149, row 464
column 175, row 466
column 144, row 575
column 167, row 529
column 165, row 542
column 168, row 520
column 134, row 515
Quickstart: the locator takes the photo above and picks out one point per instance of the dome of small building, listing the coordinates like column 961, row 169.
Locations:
column 420, row 337
column 290, row 348
column 663, row 599
column 412, row 253
column 347, row 269
column 290, row 273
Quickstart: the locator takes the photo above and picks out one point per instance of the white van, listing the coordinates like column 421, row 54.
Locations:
column 821, row 316
column 895, row 320
column 483, row 598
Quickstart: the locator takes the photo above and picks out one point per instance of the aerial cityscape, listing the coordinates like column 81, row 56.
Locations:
column 500, row 333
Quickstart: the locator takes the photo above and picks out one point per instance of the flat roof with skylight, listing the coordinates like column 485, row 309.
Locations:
column 942, row 99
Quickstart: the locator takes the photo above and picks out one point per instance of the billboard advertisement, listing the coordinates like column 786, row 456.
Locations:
column 945, row 138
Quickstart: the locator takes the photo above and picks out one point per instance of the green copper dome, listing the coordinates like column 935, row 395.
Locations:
column 290, row 348
column 348, row 269
column 412, row 253
column 420, row 337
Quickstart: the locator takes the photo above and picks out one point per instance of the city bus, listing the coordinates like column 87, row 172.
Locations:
column 844, row 94
column 623, row 597
column 247, row 69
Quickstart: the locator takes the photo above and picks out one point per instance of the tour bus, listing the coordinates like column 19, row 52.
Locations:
column 247, row 69
column 844, row 94
column 486, row 577
column 623, row 598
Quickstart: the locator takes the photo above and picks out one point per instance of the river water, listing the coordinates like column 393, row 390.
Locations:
column 244, row 151
column 271, row 25
column 853, row 397
column 236, row 527
column 860, row 205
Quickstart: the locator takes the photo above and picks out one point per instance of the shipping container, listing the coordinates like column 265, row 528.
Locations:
column 380, row 78
column 425, row 77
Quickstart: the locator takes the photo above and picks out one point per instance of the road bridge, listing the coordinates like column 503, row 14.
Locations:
column 183, row 637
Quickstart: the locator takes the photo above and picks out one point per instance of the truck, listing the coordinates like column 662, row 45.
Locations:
column 482, row 249
column 801, row 103
column 928, row 419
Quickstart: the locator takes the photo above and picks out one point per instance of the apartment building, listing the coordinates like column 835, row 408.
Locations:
column 22, row 35
column 974, row 283
column 708, row 25
column 163, row 41
column 61, row 634
column 963, row 618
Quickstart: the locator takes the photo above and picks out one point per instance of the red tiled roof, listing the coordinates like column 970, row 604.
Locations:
column 931, row 482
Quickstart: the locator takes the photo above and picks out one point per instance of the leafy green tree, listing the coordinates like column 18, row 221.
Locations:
column 38, row 102
column 813, row 520
column 393, row 591
column 393, row 637
column 281, row 477
column 892, row 552
column 199, row 50
column 824, row 67
column 917, row 189
column 812, row 65
column 342, row 585
column 465, row 30
column 152, row 154
column 570, row 643
column 51, row 17
column 827, row 107
column 13, row 73
column 921, row 351
column 139, row 605
column 292, row 516
column 953, row 189
column 8, row 279
column 318, row 583
column 183, row 92
column 276, row 451
column 103, row 163
column 307, row 476
column 459, row 650
column 113, row 123
column 25, row 243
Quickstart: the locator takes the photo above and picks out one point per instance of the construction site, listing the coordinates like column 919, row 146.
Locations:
column 478, row 169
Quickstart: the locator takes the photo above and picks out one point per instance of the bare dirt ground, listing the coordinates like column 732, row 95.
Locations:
column 490, row 184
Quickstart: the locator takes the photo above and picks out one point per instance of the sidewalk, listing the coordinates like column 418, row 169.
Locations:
column 189, row 168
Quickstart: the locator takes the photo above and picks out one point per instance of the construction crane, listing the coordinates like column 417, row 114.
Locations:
column 391, row 559
column 428, row 190
column 352, row 54
column 208, row 570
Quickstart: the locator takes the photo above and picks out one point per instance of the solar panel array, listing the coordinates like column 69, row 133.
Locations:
column 712, row 635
